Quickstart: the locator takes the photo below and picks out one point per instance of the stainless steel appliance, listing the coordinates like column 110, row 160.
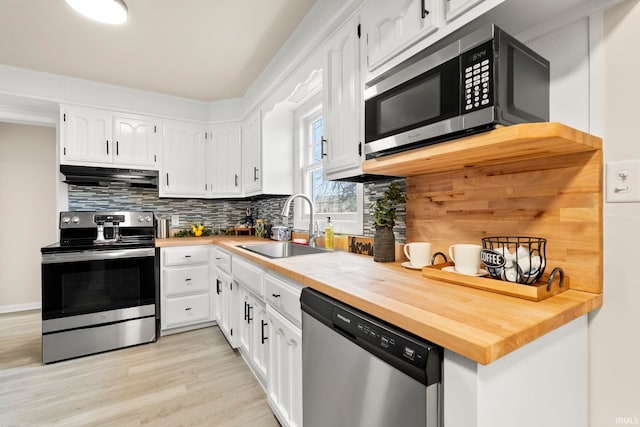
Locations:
column 472, row 84
column 360, row 371
column 109, row 177
column 99, row 284
column 280, row 232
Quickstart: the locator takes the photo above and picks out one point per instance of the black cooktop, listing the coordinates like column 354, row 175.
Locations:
column 130, row 242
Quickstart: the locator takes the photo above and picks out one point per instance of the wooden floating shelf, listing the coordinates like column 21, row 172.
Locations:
column 535, row 292
column 506, row 144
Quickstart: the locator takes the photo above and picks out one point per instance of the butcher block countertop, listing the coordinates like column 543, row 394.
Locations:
column 479, row 325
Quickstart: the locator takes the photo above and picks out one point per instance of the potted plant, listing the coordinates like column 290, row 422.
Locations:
column 383, row 212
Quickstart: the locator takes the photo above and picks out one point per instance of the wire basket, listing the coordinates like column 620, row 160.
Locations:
column 514, row 259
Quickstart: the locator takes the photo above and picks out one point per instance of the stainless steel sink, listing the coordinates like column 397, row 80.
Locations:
column 281, row 249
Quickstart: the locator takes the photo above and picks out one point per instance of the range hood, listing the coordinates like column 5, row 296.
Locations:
column 109, row 177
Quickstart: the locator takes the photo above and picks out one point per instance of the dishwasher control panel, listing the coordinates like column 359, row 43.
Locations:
column 378, row 335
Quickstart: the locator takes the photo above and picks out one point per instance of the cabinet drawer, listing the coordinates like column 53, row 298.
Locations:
column 223, row 260
column 180, row 280
column 248, row 275
column 185, row 255
column 187, row 310
column 284, row 296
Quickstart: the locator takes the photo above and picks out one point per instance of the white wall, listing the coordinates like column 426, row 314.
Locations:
column 595, row 64
column 27, row 211
column 613, row 330
column 20, row 83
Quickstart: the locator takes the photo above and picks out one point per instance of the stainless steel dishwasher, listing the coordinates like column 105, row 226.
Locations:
column 360, row 371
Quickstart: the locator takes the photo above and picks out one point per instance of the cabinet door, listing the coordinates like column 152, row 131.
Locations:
column 186, row 310
column 183, row 160
column 252, row 154
column 218, row 303
column 184, row 280
column 393, row 26
column 227, row 162
column 227, row 310
column 244, row 326
column 135, row 141
column 341, row 104
column 284, row 387
column 259, row 339
column 455, row 8
column 86, row 135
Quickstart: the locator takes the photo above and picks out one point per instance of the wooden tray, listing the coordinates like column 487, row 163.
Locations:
column 535, row 292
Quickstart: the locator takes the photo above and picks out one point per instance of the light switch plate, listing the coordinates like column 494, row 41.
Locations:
column 175, row 220
column 623, row 181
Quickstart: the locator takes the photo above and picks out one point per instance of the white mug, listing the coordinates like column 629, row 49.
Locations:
column 466, row 258
column 418, row 253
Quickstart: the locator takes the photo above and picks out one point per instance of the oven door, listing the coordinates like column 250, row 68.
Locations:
column 414, row 105
column 92, row 281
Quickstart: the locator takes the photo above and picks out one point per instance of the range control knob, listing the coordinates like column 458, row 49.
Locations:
column 75, row 219
column 147, row 218
column 140, row 219
column 66, row 219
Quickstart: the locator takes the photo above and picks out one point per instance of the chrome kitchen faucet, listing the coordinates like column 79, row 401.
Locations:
column 285, row 214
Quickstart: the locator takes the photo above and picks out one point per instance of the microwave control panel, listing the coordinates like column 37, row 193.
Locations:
column 477, row 78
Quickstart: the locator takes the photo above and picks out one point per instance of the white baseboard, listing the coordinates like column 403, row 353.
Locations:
column 20, row 307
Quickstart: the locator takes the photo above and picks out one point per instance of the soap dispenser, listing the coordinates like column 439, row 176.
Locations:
column 328, row 235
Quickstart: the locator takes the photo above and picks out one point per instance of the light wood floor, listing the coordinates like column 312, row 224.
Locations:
column 187, row 379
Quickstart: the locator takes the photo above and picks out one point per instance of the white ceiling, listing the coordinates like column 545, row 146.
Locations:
column 200, row 49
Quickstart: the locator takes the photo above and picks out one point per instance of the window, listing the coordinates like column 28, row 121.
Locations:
column 342, row 201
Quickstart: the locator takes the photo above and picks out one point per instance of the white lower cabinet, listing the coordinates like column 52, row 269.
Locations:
column 187, row 310
column 284, row 388
column 253, row 333
column 252, row 316
column 226, row 295
column 284, row 391
column 186, row 299
column 259, row 313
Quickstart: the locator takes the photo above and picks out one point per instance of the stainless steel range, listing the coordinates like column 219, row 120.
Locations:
column 99, row 284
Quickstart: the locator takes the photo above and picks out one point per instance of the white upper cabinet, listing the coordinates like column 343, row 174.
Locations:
column 183, row 160
column 136, row 141
column 252, row 154
column 92, row 137
column 85, row 136
column 455, row 8
column 226, row 150
column 342, row 102
column 393, row 26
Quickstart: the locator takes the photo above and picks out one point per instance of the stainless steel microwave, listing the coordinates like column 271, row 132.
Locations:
column 481, row 80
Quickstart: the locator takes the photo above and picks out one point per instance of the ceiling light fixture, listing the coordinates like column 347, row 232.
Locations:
column 106, row 11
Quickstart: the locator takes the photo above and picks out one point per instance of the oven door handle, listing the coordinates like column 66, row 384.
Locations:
column 96, row 255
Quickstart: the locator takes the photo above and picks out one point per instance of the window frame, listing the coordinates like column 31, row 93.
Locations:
column 352, row 223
